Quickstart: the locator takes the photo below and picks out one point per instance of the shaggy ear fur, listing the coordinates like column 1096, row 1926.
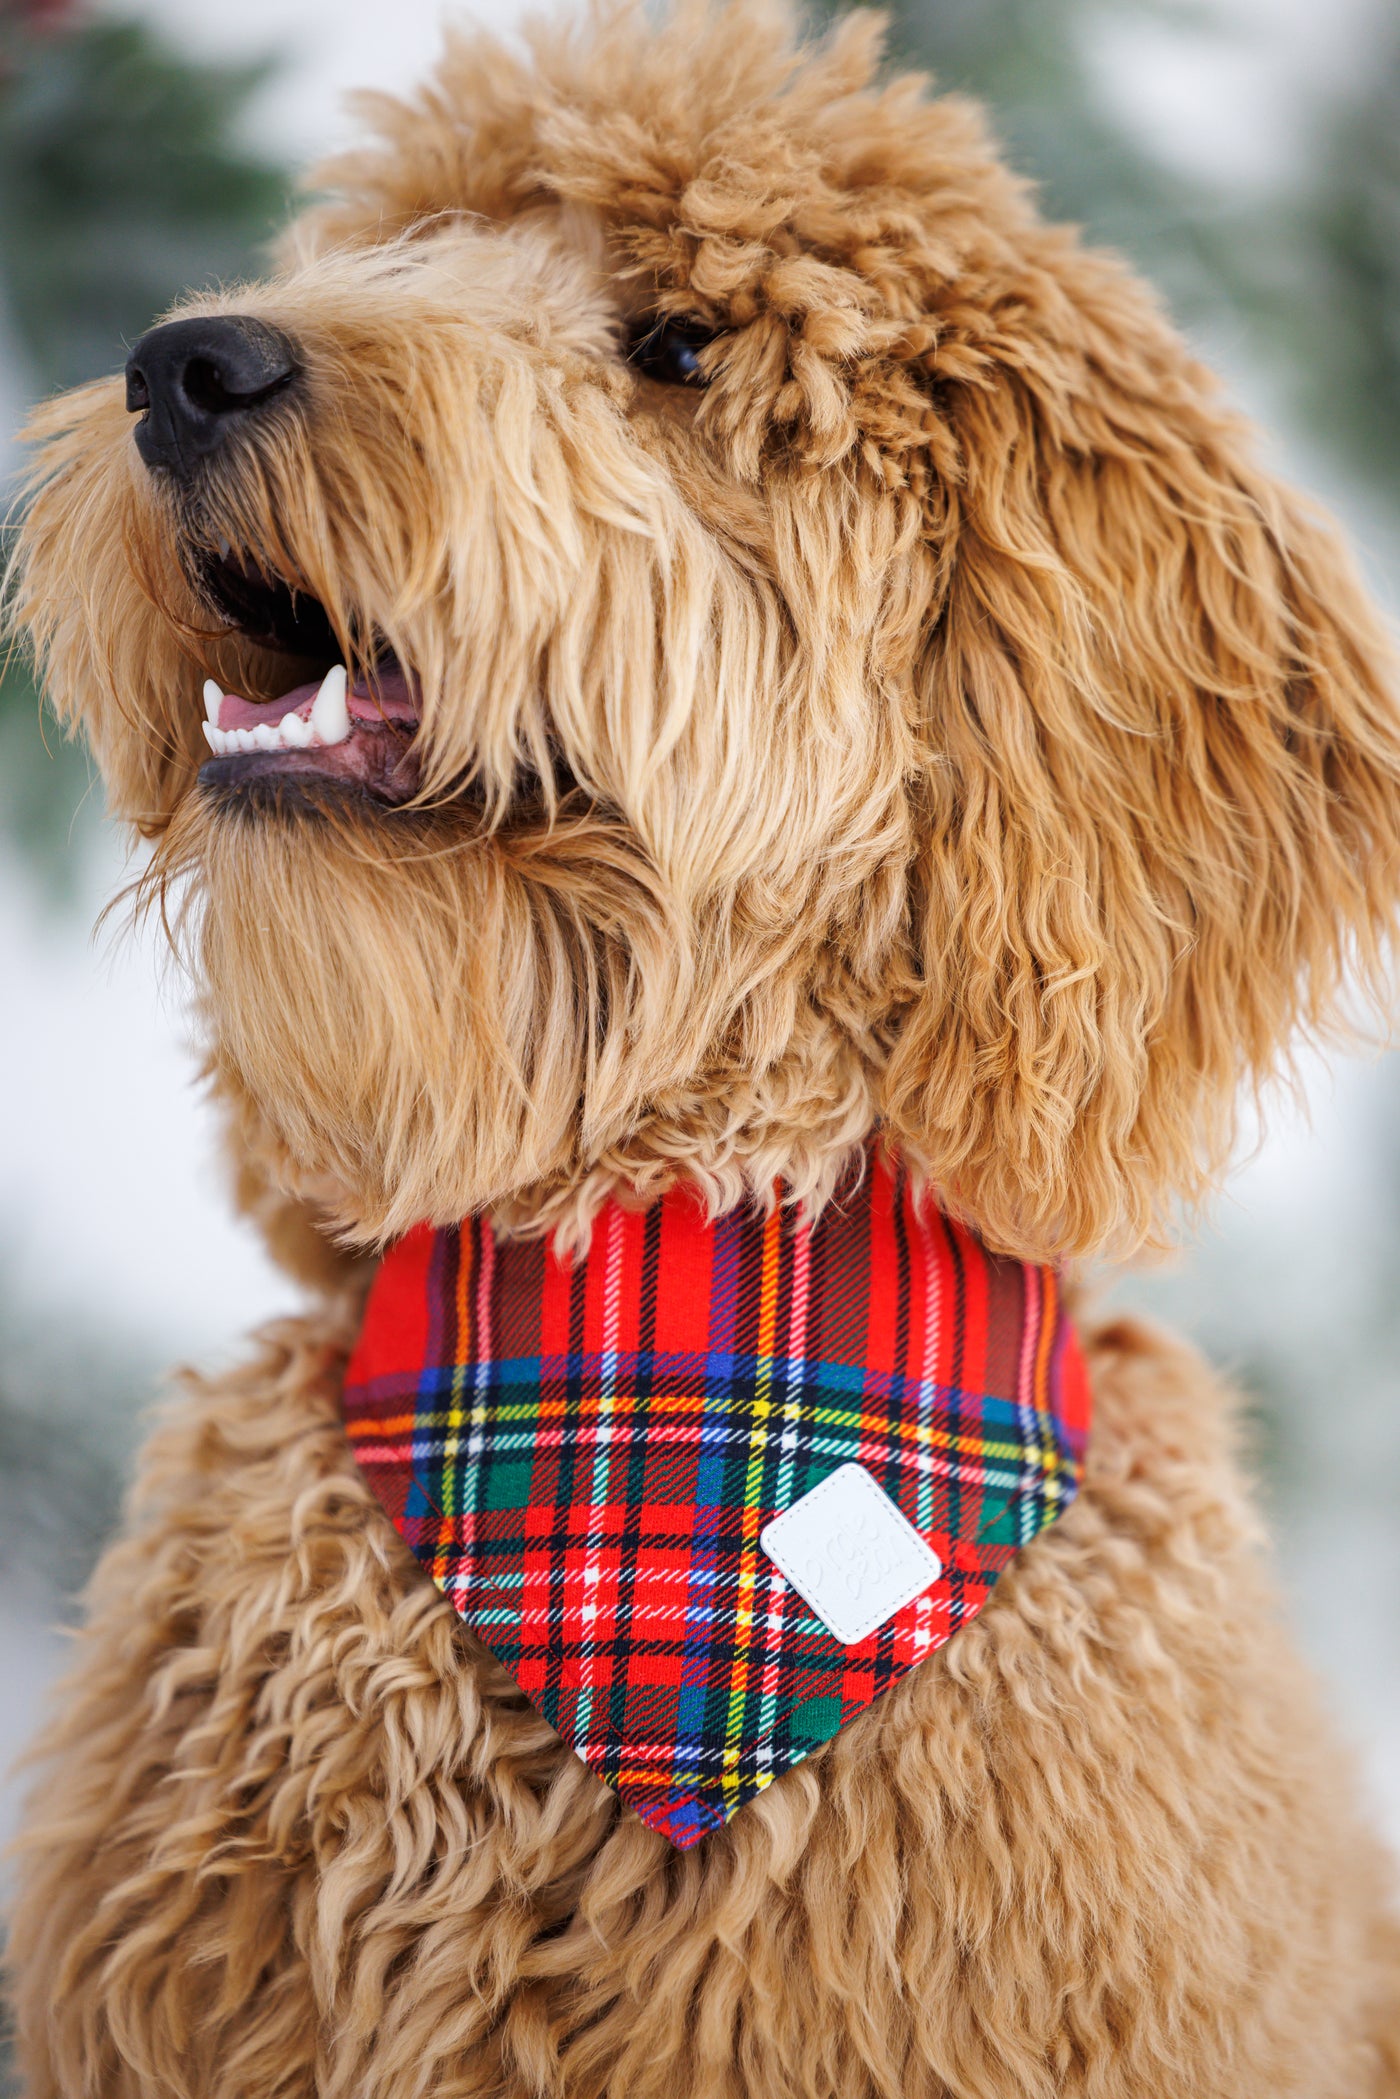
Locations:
column 1161, row 809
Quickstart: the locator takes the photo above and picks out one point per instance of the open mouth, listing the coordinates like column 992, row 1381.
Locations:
column 322, row 731
column 362, row 736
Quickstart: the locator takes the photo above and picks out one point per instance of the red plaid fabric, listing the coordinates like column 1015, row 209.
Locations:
column 583, row 1456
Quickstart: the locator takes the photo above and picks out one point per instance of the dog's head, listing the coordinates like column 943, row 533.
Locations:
column 817, row 654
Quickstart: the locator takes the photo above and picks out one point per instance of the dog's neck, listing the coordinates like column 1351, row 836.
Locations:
column 806, row 1148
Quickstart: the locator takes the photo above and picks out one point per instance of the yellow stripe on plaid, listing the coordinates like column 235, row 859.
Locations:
column 461, row 1369
column 752, row 1521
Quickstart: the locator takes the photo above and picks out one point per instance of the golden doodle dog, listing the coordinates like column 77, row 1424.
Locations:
column 735, row 658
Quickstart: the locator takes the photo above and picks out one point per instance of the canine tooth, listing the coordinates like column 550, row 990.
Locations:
column 296, row 731
column 330, row 717
column 213, row 736
column 213, row 700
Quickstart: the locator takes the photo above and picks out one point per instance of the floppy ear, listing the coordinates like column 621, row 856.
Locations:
column 1161, row 809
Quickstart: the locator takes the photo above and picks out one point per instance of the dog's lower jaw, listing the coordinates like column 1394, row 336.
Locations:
column 300, row 1835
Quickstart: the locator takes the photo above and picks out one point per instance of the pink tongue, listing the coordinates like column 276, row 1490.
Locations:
column 392, row 700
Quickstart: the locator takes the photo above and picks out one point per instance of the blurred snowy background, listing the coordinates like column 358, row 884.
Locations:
column 1246, row 153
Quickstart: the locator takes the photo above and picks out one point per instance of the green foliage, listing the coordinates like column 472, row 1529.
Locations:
column 47, row 784
column 1305, row 278
column 123, row 183
column 60, row 1482
column 1345, row 338
column 1031, row 62
column 69, row 1399
column 44, row 777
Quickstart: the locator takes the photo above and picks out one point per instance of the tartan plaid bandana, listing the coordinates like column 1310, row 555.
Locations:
column 709, row 1491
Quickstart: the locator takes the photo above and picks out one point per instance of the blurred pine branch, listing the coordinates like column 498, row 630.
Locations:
column 124, row 181
column 1306, row 276
column 1345, row 341
column 1032, row 62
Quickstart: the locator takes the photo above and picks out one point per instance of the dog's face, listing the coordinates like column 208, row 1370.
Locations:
column 814, row 654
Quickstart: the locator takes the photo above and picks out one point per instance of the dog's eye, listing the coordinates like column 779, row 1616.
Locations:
column 669, row 350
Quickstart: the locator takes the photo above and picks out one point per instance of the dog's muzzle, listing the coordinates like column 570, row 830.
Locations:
column 196, row 383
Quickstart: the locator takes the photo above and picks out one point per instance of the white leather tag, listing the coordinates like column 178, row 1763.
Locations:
column 850, row 1554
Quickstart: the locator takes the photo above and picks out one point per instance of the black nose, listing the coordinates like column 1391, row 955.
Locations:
column 195, row 382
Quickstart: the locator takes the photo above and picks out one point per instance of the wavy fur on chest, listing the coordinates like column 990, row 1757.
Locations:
column 300, row 1835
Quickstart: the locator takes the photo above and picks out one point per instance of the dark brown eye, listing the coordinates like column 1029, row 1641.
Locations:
column 669, row 350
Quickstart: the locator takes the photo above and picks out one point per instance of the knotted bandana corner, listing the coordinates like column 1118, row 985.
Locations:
column 711, row 1490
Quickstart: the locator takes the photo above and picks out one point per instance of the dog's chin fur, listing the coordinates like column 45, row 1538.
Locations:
column 935, row 722
column 474, row 1008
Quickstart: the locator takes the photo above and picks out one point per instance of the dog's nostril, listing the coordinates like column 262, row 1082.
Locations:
column 192, row 382
column 212, row 387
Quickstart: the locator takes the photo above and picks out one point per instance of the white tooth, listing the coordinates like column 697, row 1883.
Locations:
column 213, row 700
column 243, row 740
column 212, row 736
column 330, row 717
column 296, row 731
column 265, row 736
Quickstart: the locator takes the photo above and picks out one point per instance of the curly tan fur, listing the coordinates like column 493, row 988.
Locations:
column 938, row 722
